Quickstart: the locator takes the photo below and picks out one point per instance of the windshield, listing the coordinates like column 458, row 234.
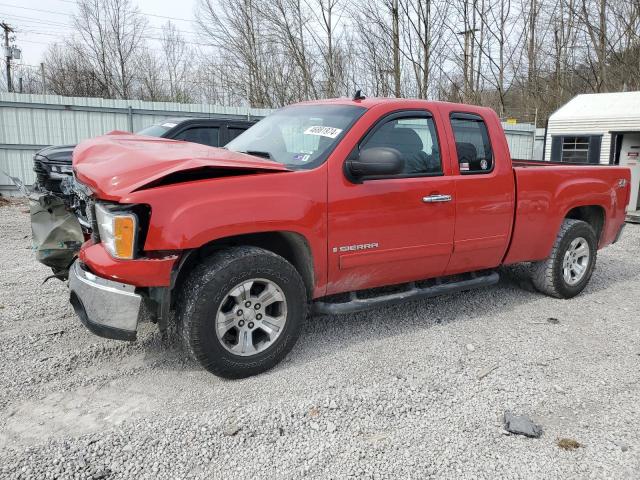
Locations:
column 301, row 136
column 156, row 130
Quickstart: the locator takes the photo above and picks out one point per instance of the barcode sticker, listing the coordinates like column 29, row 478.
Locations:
column 329, row 132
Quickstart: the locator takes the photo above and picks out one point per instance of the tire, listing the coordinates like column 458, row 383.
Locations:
column 212, row 319
column 549, row 276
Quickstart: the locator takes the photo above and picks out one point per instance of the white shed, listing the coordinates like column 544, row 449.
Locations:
column 598, row 128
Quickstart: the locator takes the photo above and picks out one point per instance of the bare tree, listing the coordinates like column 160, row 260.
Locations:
column 72, row 74
column 288, row 21
column 151, row 83
column 110, row 36
column 176, row 62
column 328, row 15
column 233, row 30
column 524, row 58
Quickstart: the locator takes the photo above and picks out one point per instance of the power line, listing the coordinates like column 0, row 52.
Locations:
column 48, row 23
column 26, row 19
column 34, row 9
column 146, row 37
column 74, row 3
column 57, row 35
column 142, row 13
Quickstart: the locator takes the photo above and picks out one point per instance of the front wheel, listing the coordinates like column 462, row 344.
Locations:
column 241, row 311
column 569, row 267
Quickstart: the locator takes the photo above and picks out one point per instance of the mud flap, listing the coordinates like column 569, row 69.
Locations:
column 57, row 235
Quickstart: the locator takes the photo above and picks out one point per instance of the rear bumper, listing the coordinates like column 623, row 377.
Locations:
column 107, row 308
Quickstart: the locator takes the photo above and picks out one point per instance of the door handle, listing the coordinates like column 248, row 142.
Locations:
column 436, row 198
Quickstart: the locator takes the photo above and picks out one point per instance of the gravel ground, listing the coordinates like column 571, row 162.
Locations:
column 413, row 391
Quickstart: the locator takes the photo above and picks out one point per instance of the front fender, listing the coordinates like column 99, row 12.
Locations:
column 191, row 214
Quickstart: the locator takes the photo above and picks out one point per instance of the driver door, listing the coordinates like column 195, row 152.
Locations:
column 395, row 229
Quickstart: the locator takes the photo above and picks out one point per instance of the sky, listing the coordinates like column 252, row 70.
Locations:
column 40, row 23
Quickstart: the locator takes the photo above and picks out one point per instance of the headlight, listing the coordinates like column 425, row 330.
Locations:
column 117, row 231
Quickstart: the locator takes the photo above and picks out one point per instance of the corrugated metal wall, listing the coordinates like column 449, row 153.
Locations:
column 30, row 122
column 521, row 140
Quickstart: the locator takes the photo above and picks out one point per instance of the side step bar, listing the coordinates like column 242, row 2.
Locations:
column 356, row 304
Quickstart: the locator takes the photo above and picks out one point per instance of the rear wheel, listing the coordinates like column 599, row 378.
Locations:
column 241, row 311
column 569, row 267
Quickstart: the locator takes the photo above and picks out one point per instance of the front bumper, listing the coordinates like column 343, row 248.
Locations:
column 107, row 308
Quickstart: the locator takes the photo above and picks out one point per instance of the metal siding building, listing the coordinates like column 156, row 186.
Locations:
column 31, row 122
column 613, row 121
column 595, row 114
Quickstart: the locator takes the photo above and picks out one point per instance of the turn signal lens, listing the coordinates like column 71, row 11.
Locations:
column 124, row 236
column 117, row 231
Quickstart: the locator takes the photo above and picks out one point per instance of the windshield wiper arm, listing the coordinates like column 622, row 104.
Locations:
column 258, row 153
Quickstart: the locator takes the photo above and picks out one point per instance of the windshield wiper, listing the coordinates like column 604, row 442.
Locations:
column 258, row 153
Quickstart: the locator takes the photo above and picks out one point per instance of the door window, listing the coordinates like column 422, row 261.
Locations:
column 415, row 138
column 472, row 144
column 203, row 135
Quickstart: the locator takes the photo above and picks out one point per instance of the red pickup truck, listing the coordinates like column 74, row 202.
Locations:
column 315, row 204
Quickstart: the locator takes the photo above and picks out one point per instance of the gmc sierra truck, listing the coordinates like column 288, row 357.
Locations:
column 313, row 209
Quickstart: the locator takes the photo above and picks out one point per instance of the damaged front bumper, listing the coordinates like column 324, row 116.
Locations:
column 107, row 308
column 56, row 232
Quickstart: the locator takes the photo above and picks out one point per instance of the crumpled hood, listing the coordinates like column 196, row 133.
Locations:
column 120, row 163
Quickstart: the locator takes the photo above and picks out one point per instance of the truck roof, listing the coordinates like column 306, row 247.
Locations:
column 371, row 102
column 180, row 120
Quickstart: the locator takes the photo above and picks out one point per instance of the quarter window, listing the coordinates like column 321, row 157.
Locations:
column 472, row 144
column 415, row 138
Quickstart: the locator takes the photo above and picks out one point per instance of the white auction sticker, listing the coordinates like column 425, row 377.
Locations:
column 323, row 131
column 169, row 124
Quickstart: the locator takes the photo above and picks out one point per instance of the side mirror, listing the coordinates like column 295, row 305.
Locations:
column 377, row 161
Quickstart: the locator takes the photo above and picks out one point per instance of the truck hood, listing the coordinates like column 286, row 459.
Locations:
column 56, row 154
column 119, row 163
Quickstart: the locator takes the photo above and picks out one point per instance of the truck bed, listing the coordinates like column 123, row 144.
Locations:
column 546, row 193
column 545, row 163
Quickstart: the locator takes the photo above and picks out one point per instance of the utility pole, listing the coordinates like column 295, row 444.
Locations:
column 467, row 67
column 395, row 33
column 7, row 29
column 43, row 79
